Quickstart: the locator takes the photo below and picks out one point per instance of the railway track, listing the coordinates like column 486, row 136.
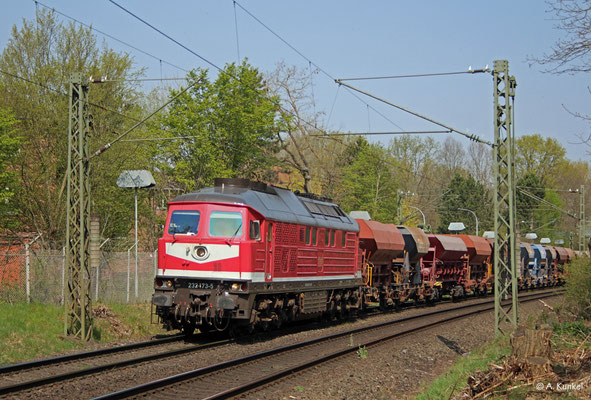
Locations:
column 230, row 378
column 32, row 374
column 23, row 376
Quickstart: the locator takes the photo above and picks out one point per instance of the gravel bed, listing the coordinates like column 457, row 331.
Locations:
column 357, row 372
column 394, row 370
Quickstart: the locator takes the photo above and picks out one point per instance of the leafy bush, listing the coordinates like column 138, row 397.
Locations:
column 578, row 287
column 577, row 329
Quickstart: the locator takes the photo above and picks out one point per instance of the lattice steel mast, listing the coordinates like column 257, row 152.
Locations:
column 78, row 304
column 505, row 253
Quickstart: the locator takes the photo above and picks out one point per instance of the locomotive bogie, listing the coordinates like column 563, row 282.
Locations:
column 217, row 305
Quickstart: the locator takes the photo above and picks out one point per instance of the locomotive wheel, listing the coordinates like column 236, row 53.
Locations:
column 342, row 312
column 188, row 329
column 332, row 311
column 204, row 328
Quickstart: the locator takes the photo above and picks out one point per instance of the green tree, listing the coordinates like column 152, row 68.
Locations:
column 538, row 156
column 229, row 129
column 9, row 147
column 46, row 53
column 547, row 218
column 465, row 192
column 415, row 160
column 369, row 182
column 526, row 205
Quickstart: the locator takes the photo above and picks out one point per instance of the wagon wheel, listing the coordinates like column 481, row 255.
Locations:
column 275, row 320
column 434, row 297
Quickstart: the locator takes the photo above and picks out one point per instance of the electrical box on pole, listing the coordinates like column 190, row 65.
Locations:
column 505, row 252
column 77, row 304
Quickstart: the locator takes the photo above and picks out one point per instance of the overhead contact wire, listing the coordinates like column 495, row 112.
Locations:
column 110, row 36
column 108, row 145
column 167, row 36
column 469, row 136
column 221, row 70
column 470, row 71
column 310, row 62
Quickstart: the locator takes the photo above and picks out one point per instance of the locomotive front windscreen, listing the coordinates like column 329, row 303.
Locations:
column 184, row 222
column 225, row 224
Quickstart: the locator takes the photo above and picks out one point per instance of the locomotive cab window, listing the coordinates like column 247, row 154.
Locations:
column 255, row 230
column 225, row 224
column 184, row 222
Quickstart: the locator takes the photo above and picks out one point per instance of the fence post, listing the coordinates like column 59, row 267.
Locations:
column 27, row 273
column 63, row 272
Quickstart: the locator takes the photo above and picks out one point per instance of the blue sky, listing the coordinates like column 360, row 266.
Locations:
column 353, row 39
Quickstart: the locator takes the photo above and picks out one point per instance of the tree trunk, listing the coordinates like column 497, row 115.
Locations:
column 531, row 350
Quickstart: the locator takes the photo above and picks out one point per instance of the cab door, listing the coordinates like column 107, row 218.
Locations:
column 270, row 247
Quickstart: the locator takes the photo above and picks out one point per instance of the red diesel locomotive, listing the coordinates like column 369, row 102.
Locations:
column 245, row 254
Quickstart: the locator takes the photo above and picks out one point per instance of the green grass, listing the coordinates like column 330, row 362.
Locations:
column 30, row 331
column 455, row 378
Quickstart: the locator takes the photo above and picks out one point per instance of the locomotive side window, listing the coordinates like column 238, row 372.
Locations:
column 344, row 239
column 184, row 222
column 314, row 236
column 270, row 232
column 332, row 234
column 326, row 237
column 307, row 235
column 225, row 224
column 255, row 230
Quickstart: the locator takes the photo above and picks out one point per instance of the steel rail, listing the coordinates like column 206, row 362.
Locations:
column 306, row 365
column 79, row 356
column 161, row 383
column 104, row 367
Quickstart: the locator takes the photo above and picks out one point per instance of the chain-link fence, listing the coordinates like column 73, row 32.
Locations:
column 40, row 275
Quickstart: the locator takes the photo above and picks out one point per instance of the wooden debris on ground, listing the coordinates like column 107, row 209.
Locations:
column 533, row 364
column 103, row 312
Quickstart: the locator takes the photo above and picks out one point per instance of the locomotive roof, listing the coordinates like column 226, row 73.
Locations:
column 274, row 203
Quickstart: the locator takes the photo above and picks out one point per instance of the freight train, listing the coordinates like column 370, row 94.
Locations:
column 244, row 255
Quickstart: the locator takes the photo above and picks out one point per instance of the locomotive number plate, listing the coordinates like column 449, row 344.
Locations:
column 200, row 285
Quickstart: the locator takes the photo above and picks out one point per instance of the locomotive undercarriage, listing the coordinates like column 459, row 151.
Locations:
column 260, row 307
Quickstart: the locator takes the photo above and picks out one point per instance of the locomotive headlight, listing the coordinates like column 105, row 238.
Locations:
column 169, row 283
column 235, row 286
column 200, row 252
